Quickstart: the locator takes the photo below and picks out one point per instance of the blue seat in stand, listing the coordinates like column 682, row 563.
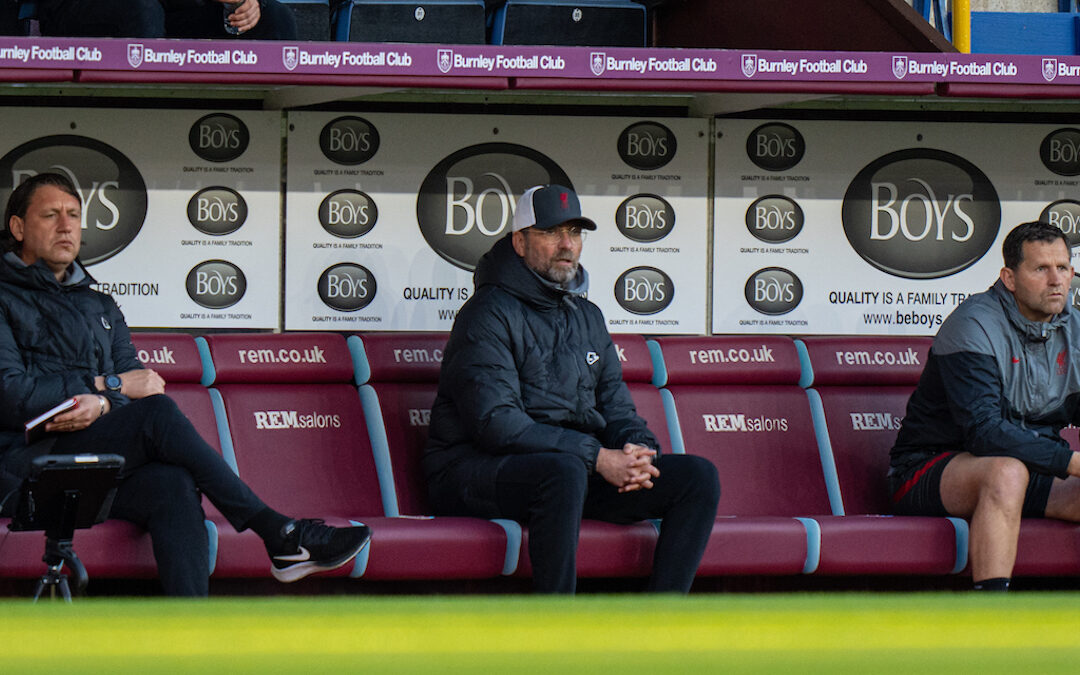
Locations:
column 312, row 19
column 593, row 23
column 441, row 21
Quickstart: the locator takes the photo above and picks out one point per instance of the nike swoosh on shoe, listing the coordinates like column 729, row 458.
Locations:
column 300, row 556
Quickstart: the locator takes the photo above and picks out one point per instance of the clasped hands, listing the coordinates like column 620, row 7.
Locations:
column 135, row 384
column 629, row 469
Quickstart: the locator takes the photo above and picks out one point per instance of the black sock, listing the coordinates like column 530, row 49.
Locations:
column 267, row 524
column 995, row 584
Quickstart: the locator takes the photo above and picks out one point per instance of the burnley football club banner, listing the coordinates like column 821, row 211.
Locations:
column 388, row 215
column 875, row 227
column 181, row 209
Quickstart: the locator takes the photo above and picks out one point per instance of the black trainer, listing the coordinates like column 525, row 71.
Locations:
column 308, row 545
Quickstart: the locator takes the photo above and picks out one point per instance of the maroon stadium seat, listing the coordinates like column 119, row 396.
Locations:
column 400, row 373
column 736, row 402
column 298, row 434
column 637, row 370
column 860, row 390
column 1049, row 547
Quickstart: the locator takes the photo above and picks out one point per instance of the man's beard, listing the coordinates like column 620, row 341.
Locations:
column 563, row 276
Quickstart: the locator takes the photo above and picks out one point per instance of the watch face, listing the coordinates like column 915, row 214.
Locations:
column 113, row 383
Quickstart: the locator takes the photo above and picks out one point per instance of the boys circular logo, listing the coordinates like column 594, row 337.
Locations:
column 774, row 219
column 645, row 218
column 216, row 284
column 112, row 190
column 1060, row 152
column 347, row 287
column 775, row 146
column 921, row 213
column 348, row 213
column 217, row 211
column 349, row 140
column 1065, row 215
column 219, row 137
column 644, row 290
column 647, row 145
column 773, row 291
column 467, row 201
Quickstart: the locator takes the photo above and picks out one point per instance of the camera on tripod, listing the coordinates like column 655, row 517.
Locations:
column 61, row 494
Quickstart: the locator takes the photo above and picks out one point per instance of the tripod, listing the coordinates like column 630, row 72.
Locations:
column 58, row 550
column 64, row 493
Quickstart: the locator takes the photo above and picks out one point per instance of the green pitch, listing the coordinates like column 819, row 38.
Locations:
column 803, row 633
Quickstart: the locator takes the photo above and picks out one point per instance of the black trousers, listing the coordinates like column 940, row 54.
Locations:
column 158, row 19
column 166, row 467
column 551, row 492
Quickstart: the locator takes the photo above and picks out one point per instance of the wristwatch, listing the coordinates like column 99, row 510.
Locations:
column 113, row 383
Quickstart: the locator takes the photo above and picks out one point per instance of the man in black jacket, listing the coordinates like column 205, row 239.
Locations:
column 61, row 339
column 258, row 19
column 532, row 420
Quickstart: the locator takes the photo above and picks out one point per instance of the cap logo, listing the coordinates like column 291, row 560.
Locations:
column 565, row 199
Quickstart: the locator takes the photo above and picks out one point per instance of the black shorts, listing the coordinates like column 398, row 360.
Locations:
column 917, row 492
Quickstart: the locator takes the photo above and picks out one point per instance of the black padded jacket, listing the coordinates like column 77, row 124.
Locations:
column 528, row 368
column 54, row 339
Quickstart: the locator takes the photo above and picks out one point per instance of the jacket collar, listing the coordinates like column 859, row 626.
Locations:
column 503, row 267
column 38, row 275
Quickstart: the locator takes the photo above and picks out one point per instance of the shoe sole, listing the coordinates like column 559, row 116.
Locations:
column 300, row 570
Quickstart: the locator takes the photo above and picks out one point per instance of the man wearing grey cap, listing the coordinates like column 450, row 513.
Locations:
column 532, row 420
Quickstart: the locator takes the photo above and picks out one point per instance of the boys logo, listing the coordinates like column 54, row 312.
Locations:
column 644, row 290
column 921, row 213
column 216, row 284
column 646, row 145
column 217, row 211
column 1065, row 215
column 467, row 201
column 112, row 190
column 219, row 137
column 348, row 214
column 645, row 218
column 347, row 287
column 775, row 147
column 290, row 57
column 774, row 219
column 1060, row 152
column 773, row 291
column 349, row 140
